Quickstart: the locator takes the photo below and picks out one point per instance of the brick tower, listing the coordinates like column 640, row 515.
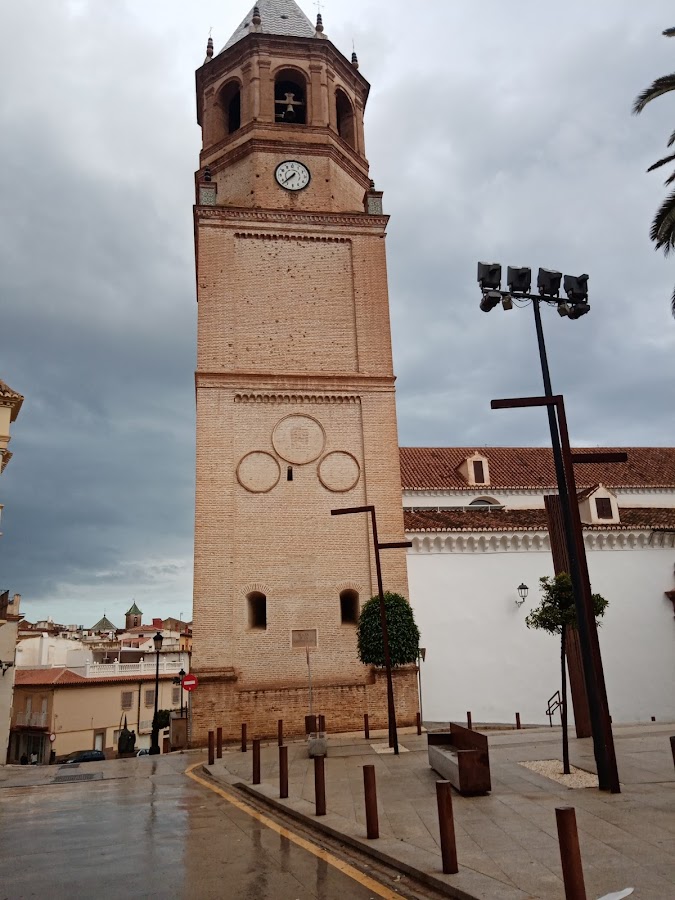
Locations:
column 295, row 388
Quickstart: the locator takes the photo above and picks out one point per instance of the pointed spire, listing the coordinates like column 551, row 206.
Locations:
column 209, row 49
column 355, row 60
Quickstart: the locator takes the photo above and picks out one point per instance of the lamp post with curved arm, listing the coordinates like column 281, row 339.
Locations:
column 154, row 741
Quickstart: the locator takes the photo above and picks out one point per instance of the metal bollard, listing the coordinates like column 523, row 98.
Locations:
column 366, row 726
column 219, row 743
column 320, row 785
column 256, row 761
column 469, row 723
column 419, row 723
column 518, row 725
column 322, row 724
column 280, row 732
column 243, row 738
column 446, row 826
column 211, row 748
column 672, row 747
column 370, row 792
column 310, row 724
column 283, row 772
column 570, row 855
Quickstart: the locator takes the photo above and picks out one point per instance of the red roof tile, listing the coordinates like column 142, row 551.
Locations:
column 486, row 519
column 65, row 677
column 435, row 468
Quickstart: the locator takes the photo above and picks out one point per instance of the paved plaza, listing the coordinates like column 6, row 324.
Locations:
column 507, row 842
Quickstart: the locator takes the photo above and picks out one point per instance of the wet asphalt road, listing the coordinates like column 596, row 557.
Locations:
column 146, row 830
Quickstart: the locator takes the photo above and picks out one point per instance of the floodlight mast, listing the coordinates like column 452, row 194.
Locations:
column 576, row 287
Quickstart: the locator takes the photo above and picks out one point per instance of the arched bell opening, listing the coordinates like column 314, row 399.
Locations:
column 346, row 124
column 290, row 98
column 230, row 102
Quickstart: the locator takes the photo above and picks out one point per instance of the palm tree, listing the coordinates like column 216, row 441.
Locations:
column 662, row 232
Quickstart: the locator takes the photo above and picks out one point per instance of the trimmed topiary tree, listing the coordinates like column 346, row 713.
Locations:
column 404, row 635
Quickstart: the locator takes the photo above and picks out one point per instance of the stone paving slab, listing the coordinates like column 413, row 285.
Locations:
column 507, row 841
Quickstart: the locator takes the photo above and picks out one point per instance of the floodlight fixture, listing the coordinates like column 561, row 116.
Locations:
column 507, row 301
column 548, row 283
column 489, row 276
column 577, row 310
column 490, row 300
column 519, row 280
column 576, row 288
column 563, row 309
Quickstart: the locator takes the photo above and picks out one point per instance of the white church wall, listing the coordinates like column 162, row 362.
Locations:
column 481, row 657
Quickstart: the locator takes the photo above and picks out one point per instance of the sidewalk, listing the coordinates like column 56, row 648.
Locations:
column 507, row 841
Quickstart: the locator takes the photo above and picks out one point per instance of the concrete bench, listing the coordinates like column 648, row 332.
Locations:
column 461, row 757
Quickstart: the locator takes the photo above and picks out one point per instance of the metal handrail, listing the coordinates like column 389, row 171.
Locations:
column 554, row 703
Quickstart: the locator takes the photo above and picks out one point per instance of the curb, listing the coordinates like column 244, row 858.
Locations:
column 388, row 857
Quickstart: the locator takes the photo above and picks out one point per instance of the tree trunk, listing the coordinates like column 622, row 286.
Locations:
column 566, row 748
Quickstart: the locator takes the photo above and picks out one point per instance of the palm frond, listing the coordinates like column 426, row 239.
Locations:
column 672, row 304
column 670, row 180
column 671, row 139
column 669, row 32
column 661, row 162
column 662, row 85
column 662, row 232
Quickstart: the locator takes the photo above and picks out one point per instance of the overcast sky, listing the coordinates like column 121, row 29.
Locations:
column 497, row 131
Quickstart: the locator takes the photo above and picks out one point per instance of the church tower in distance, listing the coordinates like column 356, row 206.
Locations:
column 295, row 388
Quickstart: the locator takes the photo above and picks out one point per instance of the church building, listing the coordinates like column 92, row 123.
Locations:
column 295, row 397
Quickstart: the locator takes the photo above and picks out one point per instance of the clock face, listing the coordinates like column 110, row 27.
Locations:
column 292, row 175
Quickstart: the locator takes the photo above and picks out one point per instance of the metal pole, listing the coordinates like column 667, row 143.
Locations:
column 469, row 722
column 672, row 747
column 419, row 679
column 256, row 760
column 418, row 718
column 366, row 726
column 566, row 498
column 219, row 743
column 211, row 748
column 283, row 772
column 280, row 732
column 243, row 738
column 370, row 794
column 391, row 710
column 518, row 725
column 446, row 825
column 570, row 855
column 154, row 741
column 588, row 632
column 319, row 785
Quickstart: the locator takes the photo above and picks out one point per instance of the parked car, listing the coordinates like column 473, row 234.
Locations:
column 143, row 752
column 85, row 756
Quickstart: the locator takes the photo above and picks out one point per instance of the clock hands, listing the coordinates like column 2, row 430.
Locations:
column 292, row 175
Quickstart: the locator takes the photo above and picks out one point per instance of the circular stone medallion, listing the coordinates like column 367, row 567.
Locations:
column 339, row 471
column 258, row 472
column 298, row 439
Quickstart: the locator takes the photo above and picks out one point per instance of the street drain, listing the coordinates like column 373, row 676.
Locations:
column 65, row 779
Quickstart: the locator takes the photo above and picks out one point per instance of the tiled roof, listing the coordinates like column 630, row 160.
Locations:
column 486, row 519
column 61, row 676
column 103, row 624
column 282, row 17
column 133, row 610
column 436, row 468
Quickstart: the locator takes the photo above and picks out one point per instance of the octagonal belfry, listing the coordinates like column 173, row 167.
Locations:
column 295, row 387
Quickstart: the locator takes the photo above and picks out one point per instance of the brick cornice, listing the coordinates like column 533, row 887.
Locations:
column 310, row 383
column 284, row 217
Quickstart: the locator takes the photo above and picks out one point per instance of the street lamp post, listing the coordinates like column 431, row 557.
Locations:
column 519, row 282
column 391, row 710
column 179, row 681
column 154, row 741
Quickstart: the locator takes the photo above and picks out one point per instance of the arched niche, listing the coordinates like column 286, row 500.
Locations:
column 230, row 105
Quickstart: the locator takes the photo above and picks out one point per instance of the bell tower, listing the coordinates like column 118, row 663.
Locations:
column 294, row 385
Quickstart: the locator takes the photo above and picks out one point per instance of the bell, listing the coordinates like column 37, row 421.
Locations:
column 289, row 115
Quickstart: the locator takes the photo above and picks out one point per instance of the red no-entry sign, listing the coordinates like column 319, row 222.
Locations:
column 190, row 682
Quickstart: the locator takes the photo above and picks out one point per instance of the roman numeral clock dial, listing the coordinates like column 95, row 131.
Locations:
column 292, row 175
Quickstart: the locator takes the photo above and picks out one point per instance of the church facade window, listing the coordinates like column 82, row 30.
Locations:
column 346, row 124
column 257, row 611
column 349, row 607
column 290, row 98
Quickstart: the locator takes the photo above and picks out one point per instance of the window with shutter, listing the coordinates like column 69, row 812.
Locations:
column 150, row 698
column 127, row 699
column 603, row 506
column 175, row 696
column 478, row 472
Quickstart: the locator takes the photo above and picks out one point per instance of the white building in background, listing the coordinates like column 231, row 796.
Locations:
column 479, row 529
